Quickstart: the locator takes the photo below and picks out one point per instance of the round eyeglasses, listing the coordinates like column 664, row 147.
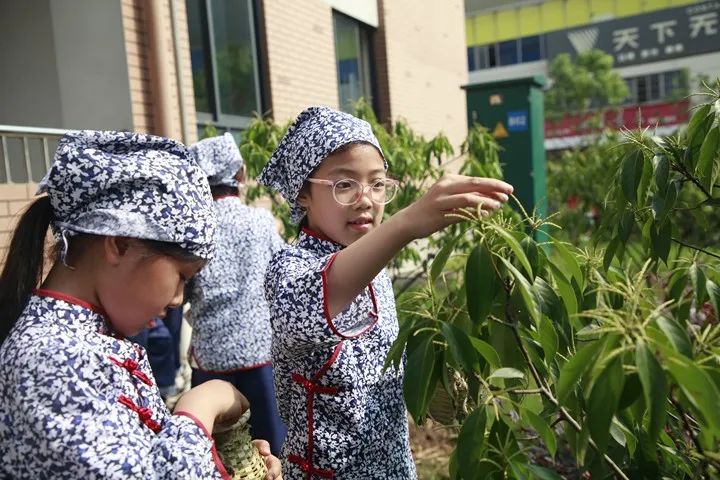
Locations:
column 349, row 191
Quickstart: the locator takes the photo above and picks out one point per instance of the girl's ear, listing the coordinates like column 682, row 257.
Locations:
column 303, row 198
column 115, row 248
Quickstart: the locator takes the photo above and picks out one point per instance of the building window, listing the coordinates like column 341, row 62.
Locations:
column 664, row 86
column 511, row 52
column 508, row 52
column 530, row 49
column 472, row 59
column 223, row 53
column 492, row 56
column 352, row 51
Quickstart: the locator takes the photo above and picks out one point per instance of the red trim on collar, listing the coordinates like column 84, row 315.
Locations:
column 317, row 235
column 43, row 292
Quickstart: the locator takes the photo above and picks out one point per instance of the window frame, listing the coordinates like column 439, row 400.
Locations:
column 217, row 118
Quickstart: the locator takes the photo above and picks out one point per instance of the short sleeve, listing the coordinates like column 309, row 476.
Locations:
column 297, row 289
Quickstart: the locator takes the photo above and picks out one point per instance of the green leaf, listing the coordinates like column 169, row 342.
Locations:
column 397, row 349
column 698, row 387
column 418, row 376
column 677, row 335
column 603, row 402
column 660, row 240
column 627, row 222
column 610, row 252
column 516, row 249
column 523, row 285
column 548, row 339
column 547, row 300
column 652, row 378
column 537, row 423
column 698, row 128
column 532, row 252
column 645, row 180
column 567, row 293
column 631, row 174
column 664, row 203
column 487, row 351
column 708, row 154
column 441, row 259
column 568, row 259
column 713, row 292
column 575, row 368
column 470, row 443
column 461, row 347
column 543, row 473
column 507, row 372
column 697, row 277
column 661, row 166
column 480, row 279
column 631, row 391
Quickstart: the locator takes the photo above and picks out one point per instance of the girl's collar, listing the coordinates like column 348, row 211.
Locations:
column 43, row 292
column 101, row 322
column 311, row 237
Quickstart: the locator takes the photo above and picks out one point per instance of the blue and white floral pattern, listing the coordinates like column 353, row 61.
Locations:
column 316, row 133
column 132, row 185
column 76, row 402
column 229, row 313
column 220, row 159
column 346, row 418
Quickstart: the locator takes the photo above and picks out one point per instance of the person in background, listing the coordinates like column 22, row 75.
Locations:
column 228, row 311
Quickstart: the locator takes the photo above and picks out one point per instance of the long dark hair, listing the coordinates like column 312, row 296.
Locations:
column 23, row 270
column 24, row 262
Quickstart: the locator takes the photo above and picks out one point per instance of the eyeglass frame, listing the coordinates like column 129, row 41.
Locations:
column 365, row 186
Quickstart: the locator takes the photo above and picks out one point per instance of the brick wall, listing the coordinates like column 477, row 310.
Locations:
column 140, row 68
column 425, row 64
column 13, row 200
column 301, row 56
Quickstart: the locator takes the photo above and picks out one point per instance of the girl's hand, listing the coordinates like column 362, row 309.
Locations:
column 214, row 402
column 452, row 192
column 271, row 462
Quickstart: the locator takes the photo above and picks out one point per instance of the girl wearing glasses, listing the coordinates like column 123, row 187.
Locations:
column 331, row 301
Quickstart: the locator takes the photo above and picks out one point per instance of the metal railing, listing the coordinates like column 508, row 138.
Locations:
column 26, row 152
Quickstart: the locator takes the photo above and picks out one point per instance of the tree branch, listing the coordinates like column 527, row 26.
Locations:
column 702, row 250
column 545, row 390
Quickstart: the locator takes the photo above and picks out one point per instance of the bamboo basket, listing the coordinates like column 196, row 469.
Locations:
column 239, row 456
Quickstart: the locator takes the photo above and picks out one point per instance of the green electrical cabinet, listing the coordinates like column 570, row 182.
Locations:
column 512, row 111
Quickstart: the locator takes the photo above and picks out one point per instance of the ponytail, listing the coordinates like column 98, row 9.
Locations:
column 23, row 268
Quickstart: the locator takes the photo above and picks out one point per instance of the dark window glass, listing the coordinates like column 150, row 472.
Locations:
column 482, row 57
column 530, row 49
column 654, row 90
column 200, row 55
column 234, row 54
column 224, row 61
column 508, row 52
column 472, row 64
column 642, row 89
column 352, row 51
column 492, row 56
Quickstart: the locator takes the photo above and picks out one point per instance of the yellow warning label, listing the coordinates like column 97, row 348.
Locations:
column 500, row 131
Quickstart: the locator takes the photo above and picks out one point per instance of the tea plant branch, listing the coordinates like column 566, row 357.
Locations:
column 692, row 432
column 527, row 391
column 545, row 390
column 699, row 249
column 685, row 173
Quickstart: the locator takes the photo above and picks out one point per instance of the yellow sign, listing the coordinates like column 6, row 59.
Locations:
column 500, row 131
